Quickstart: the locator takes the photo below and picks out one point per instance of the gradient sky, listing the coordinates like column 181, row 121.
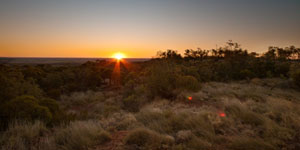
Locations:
column 139, row 28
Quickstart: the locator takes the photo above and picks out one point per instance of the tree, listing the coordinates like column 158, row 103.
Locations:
column 26, row 108
column 169, row 54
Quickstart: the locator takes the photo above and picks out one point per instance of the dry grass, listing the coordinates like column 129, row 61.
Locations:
column 142, row 138
column 243, row 143
column 80, row 98
column 80, row 135
column 259, row 114
column 23, row 136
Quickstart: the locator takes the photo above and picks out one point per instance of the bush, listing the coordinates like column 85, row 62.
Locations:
column 161, row 80
column 132, row 103
column 80, row 135
column 27, row 108
column 57, row 114
column 296, row 77
column 165, row 77
column 247, row 74
column 189, row 83
column 146, row 139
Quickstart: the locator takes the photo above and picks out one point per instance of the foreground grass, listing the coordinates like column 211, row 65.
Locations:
column 256, row 115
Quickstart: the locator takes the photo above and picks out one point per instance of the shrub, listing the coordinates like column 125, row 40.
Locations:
column 296, row 77
column 161, row 80
column 13, row 84
column 189, row 83
column 57, row 114
column 247, row 74
column 164, row 77
column 27, row 108
column 146, row 139
column 80, row 135
column 132, row 103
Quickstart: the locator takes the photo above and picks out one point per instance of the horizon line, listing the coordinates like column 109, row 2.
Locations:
column 77, row 57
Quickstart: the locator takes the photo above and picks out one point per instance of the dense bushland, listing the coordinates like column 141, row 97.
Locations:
column 173, row 101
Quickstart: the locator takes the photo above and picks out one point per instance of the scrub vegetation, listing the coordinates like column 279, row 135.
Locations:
column 219, row 99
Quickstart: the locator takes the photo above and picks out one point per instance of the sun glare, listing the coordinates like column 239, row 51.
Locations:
column 118, row 56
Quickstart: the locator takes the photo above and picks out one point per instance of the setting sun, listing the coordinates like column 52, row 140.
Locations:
column 118, row 56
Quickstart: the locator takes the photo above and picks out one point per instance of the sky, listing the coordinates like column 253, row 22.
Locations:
column 140, row 28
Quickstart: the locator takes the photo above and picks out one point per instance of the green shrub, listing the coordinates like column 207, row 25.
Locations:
column 296, row 77
column 80, row 135
column 164, row 77
column 57, row 114
column 161, row 79
column 188, row 83
column 247, row 74
column 146, row 139
column 132, row 103
column 13, row 84
column 27, row 108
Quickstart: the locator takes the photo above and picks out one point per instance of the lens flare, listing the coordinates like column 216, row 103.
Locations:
column 222, row 114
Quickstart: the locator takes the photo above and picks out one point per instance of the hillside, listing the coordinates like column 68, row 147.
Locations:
column 207, row 100
column 256, row 114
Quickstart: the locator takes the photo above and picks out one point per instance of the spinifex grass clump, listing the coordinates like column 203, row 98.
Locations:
column 81, row 135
